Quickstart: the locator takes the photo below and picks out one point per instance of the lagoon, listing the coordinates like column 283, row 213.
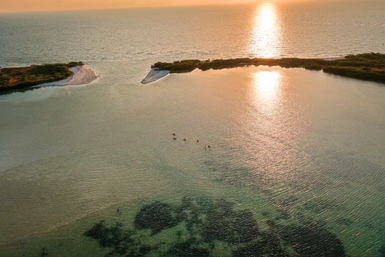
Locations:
column 282, row 139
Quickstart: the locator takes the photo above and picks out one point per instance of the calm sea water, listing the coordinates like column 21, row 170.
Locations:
column 283, row 140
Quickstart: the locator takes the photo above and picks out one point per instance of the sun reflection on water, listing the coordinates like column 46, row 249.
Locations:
column 265, row 37
column 266, row 86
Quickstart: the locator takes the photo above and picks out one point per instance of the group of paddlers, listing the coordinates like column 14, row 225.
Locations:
column 206, row 147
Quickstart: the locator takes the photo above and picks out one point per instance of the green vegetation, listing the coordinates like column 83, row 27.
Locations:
column 369, row 66
column 122, row 240
column 382, row 251
column 205, row 227
column 156, row 216
column 22, row 78
column 268, row 244
column 312, row 240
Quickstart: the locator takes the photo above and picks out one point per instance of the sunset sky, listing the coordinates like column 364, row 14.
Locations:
column 46, row 5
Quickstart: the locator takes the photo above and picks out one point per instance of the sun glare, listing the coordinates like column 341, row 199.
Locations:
column 266, row 86
column 265, row 36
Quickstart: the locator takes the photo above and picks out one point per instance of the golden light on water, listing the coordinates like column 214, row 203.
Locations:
column 266, row 86
column 265, row 37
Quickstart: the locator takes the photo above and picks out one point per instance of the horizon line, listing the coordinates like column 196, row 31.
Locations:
column 138, row 7
column 246, row 2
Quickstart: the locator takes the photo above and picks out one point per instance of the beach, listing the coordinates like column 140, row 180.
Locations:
column 81, row 76
column 154, row 75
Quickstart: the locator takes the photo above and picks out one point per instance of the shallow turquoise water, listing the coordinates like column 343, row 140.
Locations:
column 308, row 143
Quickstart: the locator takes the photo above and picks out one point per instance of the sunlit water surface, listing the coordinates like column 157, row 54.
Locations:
column 305, row 142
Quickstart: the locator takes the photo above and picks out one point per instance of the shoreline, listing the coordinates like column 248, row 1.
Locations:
column 367, row 66
column 80, row 76
column 154, row 75
column 20, row 79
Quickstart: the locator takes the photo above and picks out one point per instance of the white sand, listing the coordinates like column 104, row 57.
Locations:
column 81, row 76
column 155, row 75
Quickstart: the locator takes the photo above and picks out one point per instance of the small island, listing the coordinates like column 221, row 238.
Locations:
column 368, row 66
column 24, row 78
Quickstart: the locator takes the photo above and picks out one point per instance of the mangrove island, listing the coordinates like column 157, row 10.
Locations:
column 24, row 78
column 367, row 66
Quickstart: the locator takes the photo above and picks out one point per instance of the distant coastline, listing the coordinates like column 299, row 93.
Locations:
column 13, row 79
column 367, row 66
